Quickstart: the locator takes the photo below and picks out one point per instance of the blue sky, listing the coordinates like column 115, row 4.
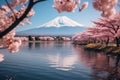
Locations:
column 44, row 12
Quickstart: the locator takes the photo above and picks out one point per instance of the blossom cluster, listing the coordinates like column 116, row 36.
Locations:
column 66, row 5
column 107, row 7
column 45, row 38
column 104, row 30
column 8, row 14
column 84, row 6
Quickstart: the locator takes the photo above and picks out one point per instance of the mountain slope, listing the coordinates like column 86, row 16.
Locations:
column 61, row 21
column 60, row 26
column 52, row 31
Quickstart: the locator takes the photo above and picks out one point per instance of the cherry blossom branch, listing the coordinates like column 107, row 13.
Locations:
column 112, row 26
column 112, row 32
column 102, row 24
column 11, row 8
column 38, row 1
column 18, row 20
column 118, row 27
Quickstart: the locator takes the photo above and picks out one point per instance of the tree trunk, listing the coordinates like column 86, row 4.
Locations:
column 107, row 42
column 117, row 41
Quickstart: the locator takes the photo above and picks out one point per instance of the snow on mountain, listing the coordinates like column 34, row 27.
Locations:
column 58, row 26
column 61, row 21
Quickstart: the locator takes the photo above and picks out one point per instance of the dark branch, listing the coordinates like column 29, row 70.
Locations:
column 10, row 8
column 112, row 26
column 18, row 20
column 37, row 1
column 13, row 25
column 111, row 32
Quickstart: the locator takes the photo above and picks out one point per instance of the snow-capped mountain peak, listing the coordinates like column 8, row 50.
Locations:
column 61, row 21
column 59, row 26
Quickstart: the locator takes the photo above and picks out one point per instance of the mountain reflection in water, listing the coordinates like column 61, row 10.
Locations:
column 1, row 57
column 57, row 61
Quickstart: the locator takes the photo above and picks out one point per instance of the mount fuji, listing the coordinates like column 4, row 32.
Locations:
column 61, row 22
column 59, row 26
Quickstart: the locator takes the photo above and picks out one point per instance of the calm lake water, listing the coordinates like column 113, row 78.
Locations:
column 57, row 61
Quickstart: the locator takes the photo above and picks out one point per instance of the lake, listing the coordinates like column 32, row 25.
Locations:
column 57, row 61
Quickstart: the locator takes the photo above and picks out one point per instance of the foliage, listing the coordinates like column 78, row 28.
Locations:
column 106, row 7
column 91, row 45
column 107, row 49
column 68, row 5
column 105, row 30
column 11, row 17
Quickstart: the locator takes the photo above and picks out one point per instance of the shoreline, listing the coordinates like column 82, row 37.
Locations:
column 48, row 41
column 112, row 50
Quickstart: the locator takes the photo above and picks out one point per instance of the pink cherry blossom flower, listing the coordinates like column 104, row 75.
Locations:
column 107, row 7
column 66, row 5
column 14, row 47
column 84, row 6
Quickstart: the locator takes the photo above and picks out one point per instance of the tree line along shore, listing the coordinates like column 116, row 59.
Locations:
column 108, row 49
column 44, row 38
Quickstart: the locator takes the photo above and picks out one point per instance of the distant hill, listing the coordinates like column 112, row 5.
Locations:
column 60, row 26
